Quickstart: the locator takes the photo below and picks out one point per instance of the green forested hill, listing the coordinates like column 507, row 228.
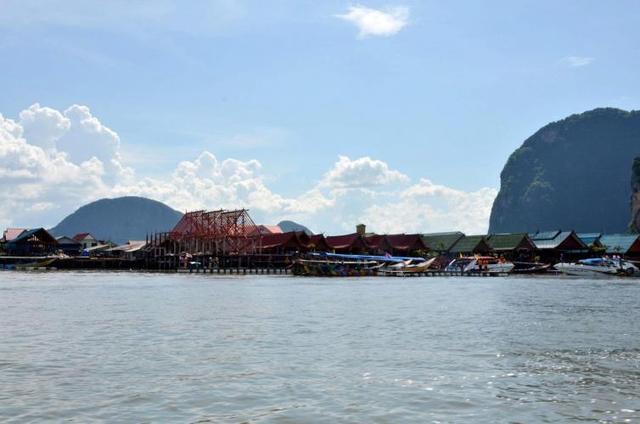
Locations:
column 120, row 219
column 571, row 174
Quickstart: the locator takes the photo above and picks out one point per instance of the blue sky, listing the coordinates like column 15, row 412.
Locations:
column 442, row 91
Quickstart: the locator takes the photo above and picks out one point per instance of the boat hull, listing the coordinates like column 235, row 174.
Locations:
column 586, row 270
column 332, row 269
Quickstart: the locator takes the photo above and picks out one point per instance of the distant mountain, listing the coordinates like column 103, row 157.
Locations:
column 119, row 220
column 287, row 226
column 571, row 174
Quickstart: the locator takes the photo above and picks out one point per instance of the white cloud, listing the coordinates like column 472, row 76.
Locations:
column 52, row 162
column 361, row 173
column 375, row 22
column 33, row 179
column 43, row 125
column 76, row 133
column 427, row 207
column 577, row 61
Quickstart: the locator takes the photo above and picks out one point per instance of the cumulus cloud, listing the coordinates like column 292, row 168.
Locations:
column 577, row 61
column 43, row 126
column 35, row 179
column 207, row 183
column 375, row 22
column 361, row 173
column 426, row 206
column 52, row 162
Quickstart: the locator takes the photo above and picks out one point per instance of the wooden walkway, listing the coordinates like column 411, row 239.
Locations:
column 235, row 271
column 287, row 271
column 441, row 273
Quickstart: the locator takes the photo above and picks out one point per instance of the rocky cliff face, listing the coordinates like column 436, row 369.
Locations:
column 571, row 174
column 634, row 226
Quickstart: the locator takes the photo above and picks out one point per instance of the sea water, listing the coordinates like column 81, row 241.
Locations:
column 128, row 347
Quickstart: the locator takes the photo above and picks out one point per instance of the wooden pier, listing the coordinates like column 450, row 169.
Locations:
column 231, row 265
column 235, row 271
column 442, row 273
column 287, row 271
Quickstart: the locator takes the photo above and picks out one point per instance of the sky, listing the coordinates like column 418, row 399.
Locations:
column 400, row 115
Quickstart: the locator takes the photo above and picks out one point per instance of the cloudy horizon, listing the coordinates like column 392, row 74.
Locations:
column 56, row 161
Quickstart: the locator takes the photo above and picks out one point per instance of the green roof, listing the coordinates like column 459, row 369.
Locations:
column 468, row 244
column 544, row 235
column 589, row 238
column 543, row 241
column 441, row 242
column 618, row 243
column 507, row 241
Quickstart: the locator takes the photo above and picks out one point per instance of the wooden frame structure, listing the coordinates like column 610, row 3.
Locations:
column 203, row 236
column 216, row 233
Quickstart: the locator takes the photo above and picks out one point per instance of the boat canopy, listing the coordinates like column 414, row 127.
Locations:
column 596, row 261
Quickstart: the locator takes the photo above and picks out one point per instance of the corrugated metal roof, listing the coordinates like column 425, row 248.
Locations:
column 507, row 241
column 405, row 241
column 552, row 243
column 98, row 248
column 67, row 241
column 82, row 236
column 441, row 242
column 589, row 238
column 42, row 234
column 469, row 244
column 376, row 241
column 346, row 241
column 129, row 247
column 618, row 243
column 291, row 238
column 544, row 235
column 11, row 233
column 265, row 229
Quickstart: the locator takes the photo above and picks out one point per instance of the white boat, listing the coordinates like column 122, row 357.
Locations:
column 486, row 264
column 411, row 266
column 597, row 267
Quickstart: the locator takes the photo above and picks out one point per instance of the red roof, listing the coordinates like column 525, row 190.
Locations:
column 347, row 241
column 11, row 233
column 406, row 242
column 318, row 242
column 270, row 229
column 375, row 241
column 81, row 236
column 291, row 239
column 265, row 229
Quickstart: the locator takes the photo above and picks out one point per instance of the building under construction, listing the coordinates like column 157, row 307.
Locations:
column 219, row 238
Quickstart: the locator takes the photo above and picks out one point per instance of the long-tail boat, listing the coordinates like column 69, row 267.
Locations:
column 346, row 265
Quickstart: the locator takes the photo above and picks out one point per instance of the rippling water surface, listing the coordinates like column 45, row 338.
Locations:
column 127, row 347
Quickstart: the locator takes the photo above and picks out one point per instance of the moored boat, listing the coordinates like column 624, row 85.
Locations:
column 480, row 264
column 346, row 265
column 598, row 267
column 530, row 268
column 414, row 266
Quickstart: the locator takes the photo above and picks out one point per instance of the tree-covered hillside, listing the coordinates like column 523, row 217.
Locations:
column 120, row 219
column 571, row 174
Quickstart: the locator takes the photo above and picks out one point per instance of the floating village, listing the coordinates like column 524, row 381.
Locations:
column 229, row 242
